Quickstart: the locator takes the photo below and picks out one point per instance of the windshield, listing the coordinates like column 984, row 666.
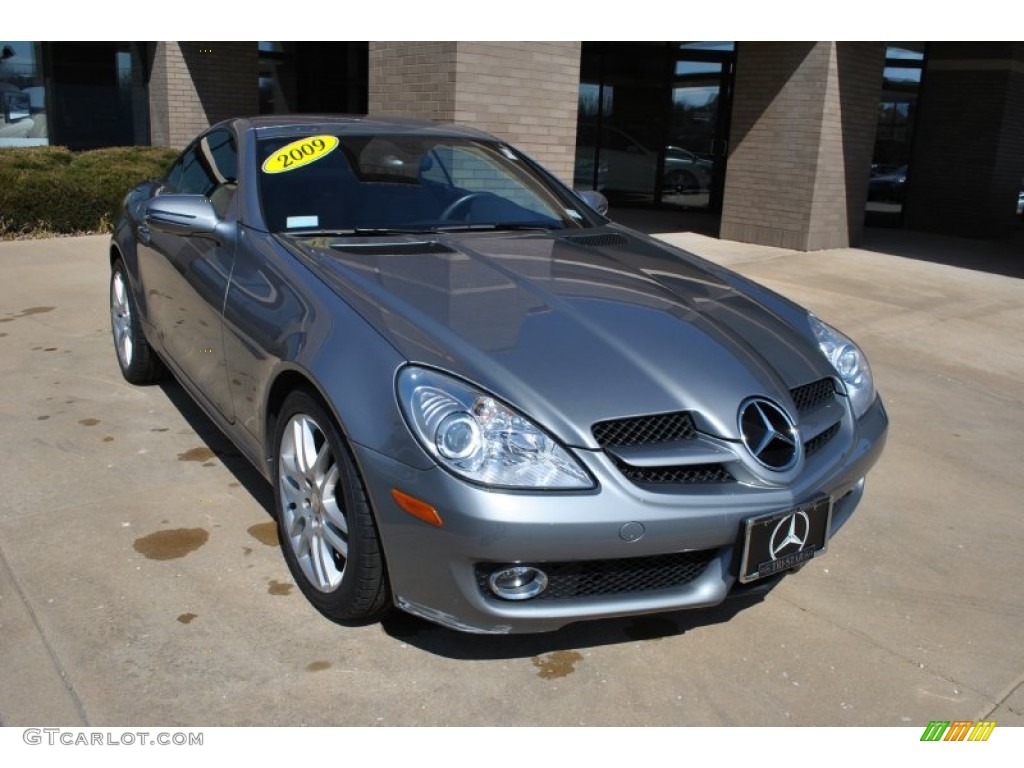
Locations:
column 361, row 184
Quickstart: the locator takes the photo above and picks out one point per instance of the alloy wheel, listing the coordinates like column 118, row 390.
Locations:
column 314, row 522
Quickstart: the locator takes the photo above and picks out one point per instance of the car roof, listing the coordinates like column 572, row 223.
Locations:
column 353, row 125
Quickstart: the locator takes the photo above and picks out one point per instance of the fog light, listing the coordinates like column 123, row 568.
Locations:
column 518, row 582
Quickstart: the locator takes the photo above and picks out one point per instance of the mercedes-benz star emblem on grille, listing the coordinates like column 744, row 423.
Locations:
column 769, row 434
column 789, row 531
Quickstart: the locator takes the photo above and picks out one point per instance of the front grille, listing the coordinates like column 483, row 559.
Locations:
column 692, row 474
column 645, row 430
column 597, row 241
column 815, row 444
column 392, row 249
column 810, row 396
column 594, row 578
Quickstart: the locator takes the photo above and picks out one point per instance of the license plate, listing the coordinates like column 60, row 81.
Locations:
column 782, row 540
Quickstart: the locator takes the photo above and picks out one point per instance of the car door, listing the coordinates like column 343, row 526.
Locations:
column 185, row 277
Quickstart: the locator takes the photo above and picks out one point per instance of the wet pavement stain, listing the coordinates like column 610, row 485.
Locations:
column 246, row 550
column 108, row 439
column 88, row 422
column 209, row 464
column 50, row 349
column 202, row 453
column 233, row 485
column 186, row 618
column 27, row 312
column 557, row 664
column 279, row 587
column 650, row 628
column 172, row 544
column 42, row 418
column 160, row 429
column 265, row 533
column 318, row 666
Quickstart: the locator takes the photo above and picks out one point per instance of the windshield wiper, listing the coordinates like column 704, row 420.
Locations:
column 359, row 232
column 498, row 227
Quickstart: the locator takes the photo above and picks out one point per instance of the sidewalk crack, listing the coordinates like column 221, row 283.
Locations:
column 79, row 707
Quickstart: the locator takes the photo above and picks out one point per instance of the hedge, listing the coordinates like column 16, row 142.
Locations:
column 54, row 191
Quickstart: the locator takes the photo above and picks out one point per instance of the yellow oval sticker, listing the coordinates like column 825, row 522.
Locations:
column 300, row 153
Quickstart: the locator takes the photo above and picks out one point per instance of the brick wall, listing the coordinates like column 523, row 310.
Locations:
column 968, row 156
column 525, row 93
column 194, row 85
column 413, row 80
column 803, row 127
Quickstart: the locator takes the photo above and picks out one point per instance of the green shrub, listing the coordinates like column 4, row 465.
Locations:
column 51, row 190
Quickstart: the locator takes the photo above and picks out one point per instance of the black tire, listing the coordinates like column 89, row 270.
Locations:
column 138, row 363
column 323, row 509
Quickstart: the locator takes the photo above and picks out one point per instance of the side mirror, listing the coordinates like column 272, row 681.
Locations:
column 595, row 200
column 181, row 215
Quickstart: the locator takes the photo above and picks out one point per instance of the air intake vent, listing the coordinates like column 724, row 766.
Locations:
column 645, row 430
column 692, row 474
column 597, row 578
column 605, row 240
column 392, row 249
column 810, row 396
column 815, row 444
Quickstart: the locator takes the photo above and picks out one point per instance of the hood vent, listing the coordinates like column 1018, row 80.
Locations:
column 392, row 249
column 604, row 240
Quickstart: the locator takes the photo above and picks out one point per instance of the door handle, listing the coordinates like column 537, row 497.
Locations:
column 144, row 235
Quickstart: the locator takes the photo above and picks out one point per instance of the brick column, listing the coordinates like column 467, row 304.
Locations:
column 968, row 155
column 194, row 85
column 525, row 93
column 803, row 127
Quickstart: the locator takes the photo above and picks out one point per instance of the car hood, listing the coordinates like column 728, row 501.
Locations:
column 575, row 328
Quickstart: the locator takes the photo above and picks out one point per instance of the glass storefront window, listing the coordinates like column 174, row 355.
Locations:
column 653, row 122
column 901, row 85
column 724, row 46
column 22, row 95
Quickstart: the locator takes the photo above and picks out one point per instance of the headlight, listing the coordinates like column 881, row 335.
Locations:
column 481, row 439
column 849, row 362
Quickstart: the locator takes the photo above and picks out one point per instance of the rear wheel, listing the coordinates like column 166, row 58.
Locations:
column 325, row 523
column 138, row 363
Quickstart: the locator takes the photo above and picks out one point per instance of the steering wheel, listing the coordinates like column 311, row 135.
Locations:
column 460, row 203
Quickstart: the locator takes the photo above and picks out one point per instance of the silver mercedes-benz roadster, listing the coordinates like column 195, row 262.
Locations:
column 477, row 399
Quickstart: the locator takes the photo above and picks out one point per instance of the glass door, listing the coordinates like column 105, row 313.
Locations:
column 697, row 144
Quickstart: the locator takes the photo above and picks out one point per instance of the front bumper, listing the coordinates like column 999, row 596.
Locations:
column 433, row 570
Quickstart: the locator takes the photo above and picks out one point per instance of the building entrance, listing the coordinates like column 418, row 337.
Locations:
column 653, row 123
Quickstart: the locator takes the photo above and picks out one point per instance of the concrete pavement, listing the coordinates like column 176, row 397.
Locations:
column 141, row 582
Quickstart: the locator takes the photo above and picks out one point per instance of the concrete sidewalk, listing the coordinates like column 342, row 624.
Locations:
column 141, row 582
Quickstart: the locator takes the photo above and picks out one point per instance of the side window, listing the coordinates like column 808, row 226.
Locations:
column 174, row 175
column 219, row 147
column 209, row 167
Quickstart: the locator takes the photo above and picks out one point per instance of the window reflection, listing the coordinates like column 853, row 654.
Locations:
column 652, row 121
column 22, row 96
column 897, row 108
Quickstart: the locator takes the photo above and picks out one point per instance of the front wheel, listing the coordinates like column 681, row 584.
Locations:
column 138, row 363
column 325, row 523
